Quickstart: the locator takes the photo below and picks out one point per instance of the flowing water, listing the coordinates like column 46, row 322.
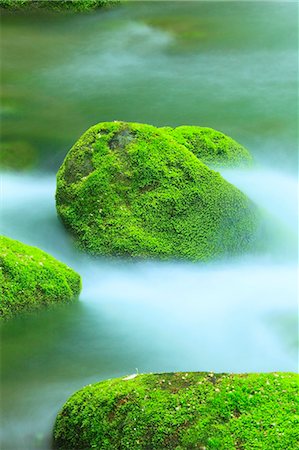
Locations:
column 231, row 66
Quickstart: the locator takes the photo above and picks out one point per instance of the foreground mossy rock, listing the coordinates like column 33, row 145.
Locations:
column 130, row 189
column 182, row 411
column 55, row 5
column 212, row 147
column 32, row 279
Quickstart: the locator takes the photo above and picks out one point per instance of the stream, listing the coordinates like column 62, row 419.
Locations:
column 162, row 64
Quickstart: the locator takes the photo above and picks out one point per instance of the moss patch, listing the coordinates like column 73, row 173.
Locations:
column 56, row 5
column 131, row 190
column 183, row 411
column 212, row 147
column 32, row 279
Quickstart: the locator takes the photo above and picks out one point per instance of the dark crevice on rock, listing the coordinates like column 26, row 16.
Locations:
column 121, row 139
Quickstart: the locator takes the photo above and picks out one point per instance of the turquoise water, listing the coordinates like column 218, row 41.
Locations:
column 237, row 316
column 231, row 66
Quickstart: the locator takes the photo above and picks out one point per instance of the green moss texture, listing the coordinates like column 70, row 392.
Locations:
column 128, row 189
column 212, row 147
column 55, row 5
column 183, row 411
column 32, row 279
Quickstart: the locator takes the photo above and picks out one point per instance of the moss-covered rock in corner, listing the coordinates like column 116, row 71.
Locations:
column 55, row 5
column 212, row 147
column 32, row 279
column 182, row 411
column 130, row 189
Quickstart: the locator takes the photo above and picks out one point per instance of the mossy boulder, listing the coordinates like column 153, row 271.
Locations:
column 212, row 147
column 32, row 279
column 130, row 189
column 180, row 411
column 55, row 5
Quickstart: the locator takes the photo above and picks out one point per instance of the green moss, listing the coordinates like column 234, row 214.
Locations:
column 130, row 189
column 181, row 411
column 212, row 147
column 56, row 5
column 32, row 279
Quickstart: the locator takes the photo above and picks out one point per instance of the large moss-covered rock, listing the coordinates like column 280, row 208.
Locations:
column 130, row 189
column 212, row 147
column 181, row 411
column 55, row 5
column 32, row 279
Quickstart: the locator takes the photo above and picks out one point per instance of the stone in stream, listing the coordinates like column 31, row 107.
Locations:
column 58, row 6
column 129, row 189
column 179, row 411
column 31, row 279
column 212, row 147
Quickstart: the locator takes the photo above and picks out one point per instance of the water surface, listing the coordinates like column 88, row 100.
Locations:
column 228, row 65
column 236, row 316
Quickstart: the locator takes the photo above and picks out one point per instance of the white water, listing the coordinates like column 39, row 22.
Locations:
column 236, row 316
column 222, row 309
column 238, row 74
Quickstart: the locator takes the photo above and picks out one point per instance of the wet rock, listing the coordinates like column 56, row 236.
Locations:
column 128, row 189
column 182, row 411
column 31, row 279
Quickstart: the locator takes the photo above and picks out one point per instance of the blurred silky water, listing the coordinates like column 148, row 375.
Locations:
column 231, row 66
column 237, row 315
column 227, row 65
